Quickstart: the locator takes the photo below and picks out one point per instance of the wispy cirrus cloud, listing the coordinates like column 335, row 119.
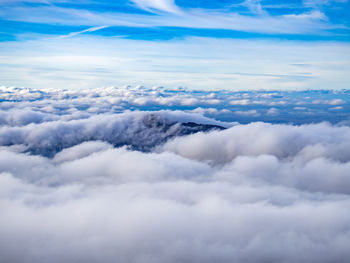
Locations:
column 168, row 6
column 168, row 14
column 91, row 29
column 319, row 3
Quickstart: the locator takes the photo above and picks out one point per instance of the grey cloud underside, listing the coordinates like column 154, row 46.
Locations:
column 91, row 184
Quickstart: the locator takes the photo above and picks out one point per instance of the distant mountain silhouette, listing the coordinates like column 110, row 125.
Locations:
column 138, row 134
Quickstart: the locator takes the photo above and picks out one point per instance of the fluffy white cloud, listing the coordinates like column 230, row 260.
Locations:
column 329, row 102
column 252, row 113
column 161, row 207
column 249, row 193
column 272, row 112
column 19, row 107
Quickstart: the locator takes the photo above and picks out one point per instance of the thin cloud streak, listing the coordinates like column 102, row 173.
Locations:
column 91, row 29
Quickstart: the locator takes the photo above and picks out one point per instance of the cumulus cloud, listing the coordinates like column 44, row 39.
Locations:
column 295, row 156
column 102, row 206
column 240, row 102
column 253, row 113
column 329, row 102
column 272, row 112
column 257, row 192
column 21, row 106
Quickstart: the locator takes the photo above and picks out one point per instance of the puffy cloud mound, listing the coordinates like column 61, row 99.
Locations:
column 72, row 190
column 309, row 157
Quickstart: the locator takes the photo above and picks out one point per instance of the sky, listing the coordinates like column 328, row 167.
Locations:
column 237, row 45
column 153, row 131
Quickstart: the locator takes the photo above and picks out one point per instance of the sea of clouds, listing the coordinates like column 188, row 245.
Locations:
column 72, row 189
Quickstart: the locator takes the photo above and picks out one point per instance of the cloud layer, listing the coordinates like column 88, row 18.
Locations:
column 257, row 192
column 22, row 106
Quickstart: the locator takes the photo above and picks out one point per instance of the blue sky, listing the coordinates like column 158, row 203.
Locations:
column 247, row 44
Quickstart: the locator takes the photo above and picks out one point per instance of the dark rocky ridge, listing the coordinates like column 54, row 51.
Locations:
column 157, row 130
